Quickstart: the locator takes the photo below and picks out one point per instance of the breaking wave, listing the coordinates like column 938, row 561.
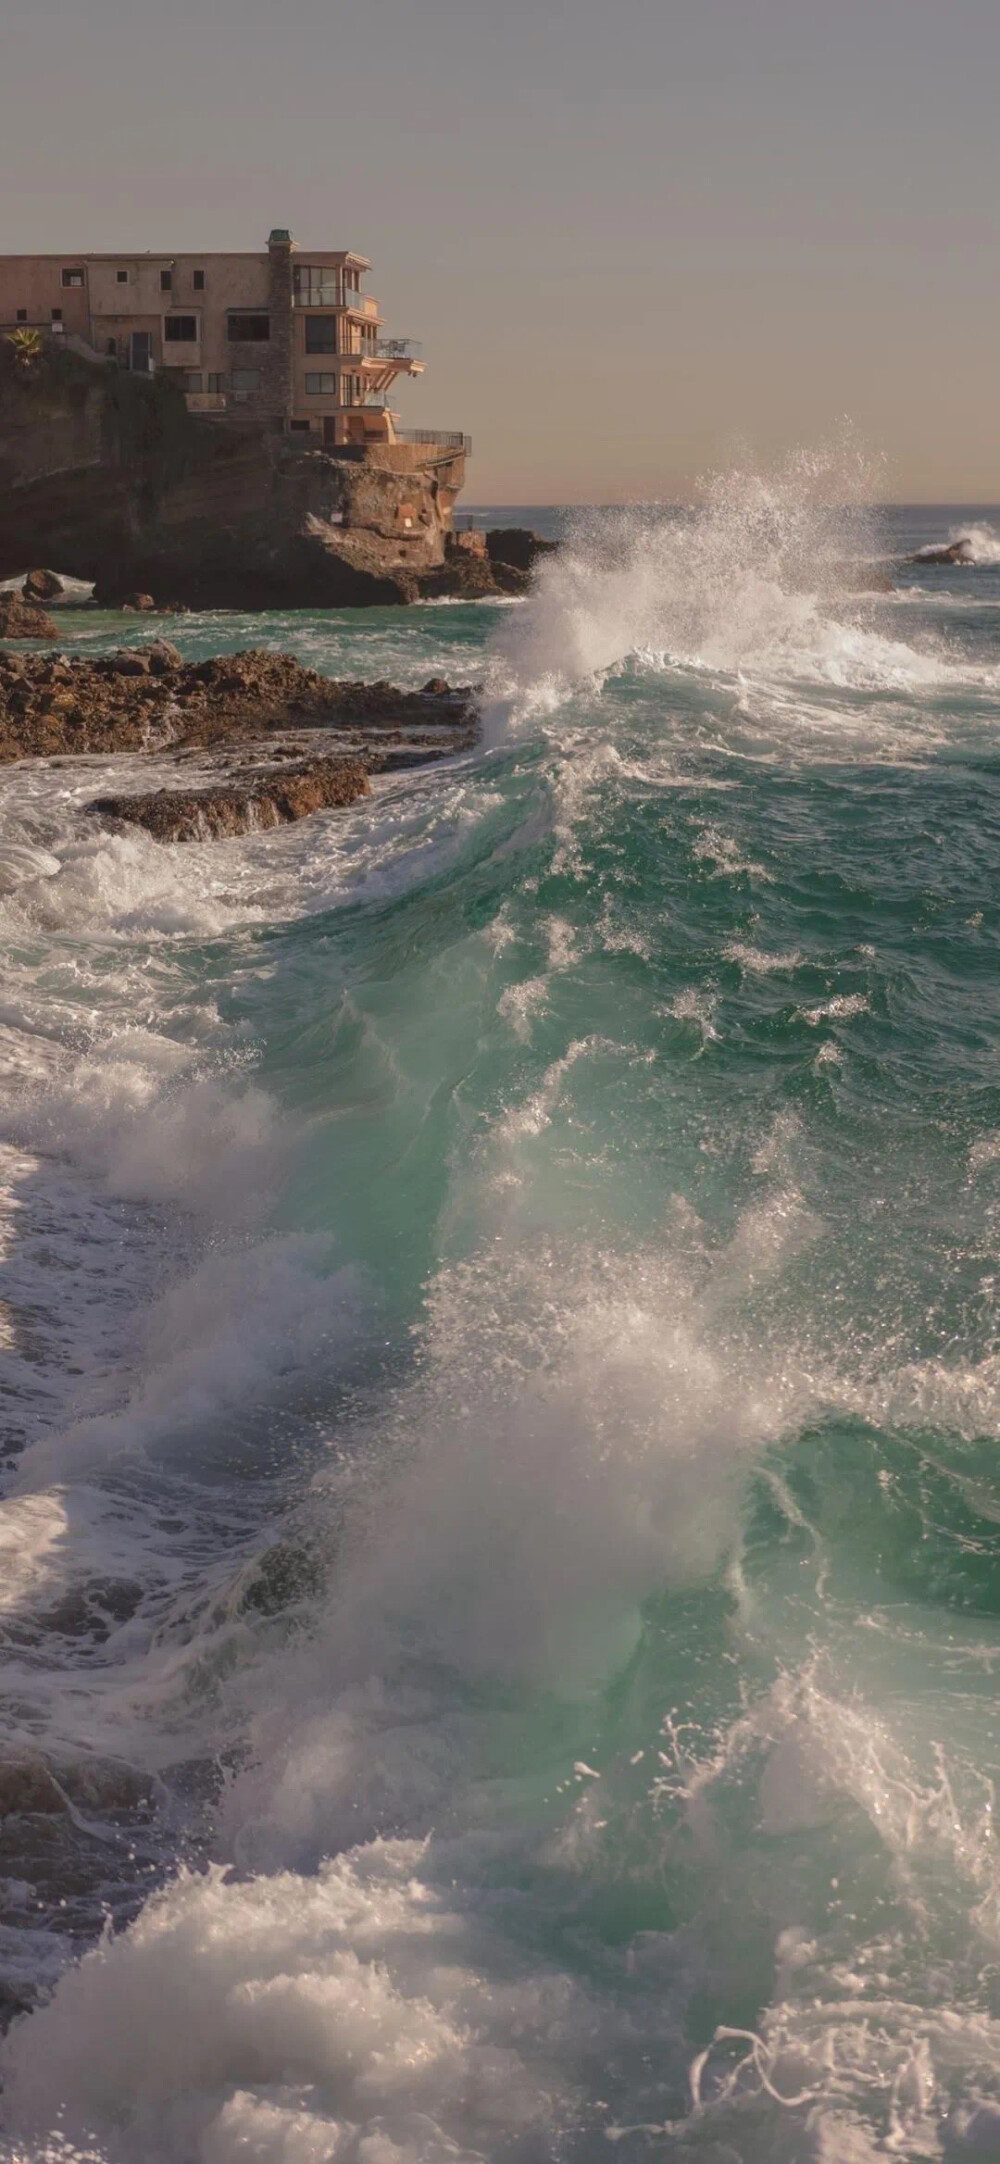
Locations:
column 500, row 1365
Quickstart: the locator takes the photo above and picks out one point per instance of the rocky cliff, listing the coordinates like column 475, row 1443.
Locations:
column 106, row 476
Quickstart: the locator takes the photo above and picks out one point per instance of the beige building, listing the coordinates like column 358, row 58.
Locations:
column 288, row 338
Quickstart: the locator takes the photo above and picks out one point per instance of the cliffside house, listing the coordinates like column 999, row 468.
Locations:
column 284, row 339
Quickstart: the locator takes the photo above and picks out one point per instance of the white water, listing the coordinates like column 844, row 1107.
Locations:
column 435, row 1924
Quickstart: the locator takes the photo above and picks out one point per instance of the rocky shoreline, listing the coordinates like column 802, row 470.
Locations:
column 146, row 698
column 274, row 741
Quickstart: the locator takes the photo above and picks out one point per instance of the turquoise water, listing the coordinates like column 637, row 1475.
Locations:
column 501, row 1348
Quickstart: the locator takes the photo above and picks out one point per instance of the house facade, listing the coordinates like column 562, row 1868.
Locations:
column 287, row 339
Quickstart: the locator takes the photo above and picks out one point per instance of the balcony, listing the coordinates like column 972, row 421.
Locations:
column 322, row 290
column 395, row 349
column 205, row 401
column 443, row 439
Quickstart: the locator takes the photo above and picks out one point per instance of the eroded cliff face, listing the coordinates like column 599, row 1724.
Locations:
column 108, row 477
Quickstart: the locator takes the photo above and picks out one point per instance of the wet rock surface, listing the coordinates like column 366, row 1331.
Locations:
column 145, row 698
column 21, row 619
column 950, row 552
column 244, row 805
column 42, row 586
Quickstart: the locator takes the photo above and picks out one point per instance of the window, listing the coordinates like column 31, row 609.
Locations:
column 321, row 334
column 321, row 386
column 249, row 330
column 216, row 383
column 298, row 426
column 72, row 278
column 166, row 281
column 22, row 315
column 199, row 281
column 246, row 380
column 180, row 330
column 122, row 277
column 57, row 315
column 111, row 348
column 315, row 287
column 192, row 380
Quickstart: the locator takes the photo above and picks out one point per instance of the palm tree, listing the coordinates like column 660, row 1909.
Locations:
column 28, row 346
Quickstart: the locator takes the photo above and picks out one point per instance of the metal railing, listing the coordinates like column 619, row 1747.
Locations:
column 397, row 349
column 446, row 439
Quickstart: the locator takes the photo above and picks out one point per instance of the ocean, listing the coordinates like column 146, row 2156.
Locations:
column 500, row 1538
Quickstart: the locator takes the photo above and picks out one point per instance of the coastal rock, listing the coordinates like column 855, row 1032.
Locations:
column 517, row 547
column 241, row 807
column 139, row 604
column 147, row 697
column 106, row 473
column 28, row 1787
column 42, row 586
column 950, row 552
column 20, row 619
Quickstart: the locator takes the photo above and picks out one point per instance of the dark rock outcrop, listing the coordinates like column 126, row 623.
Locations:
column 106, row 474
column 20, row 619
column 145, row 698
column 950, row 552
column 242, row 806
column 42, row 586
column 516, row 547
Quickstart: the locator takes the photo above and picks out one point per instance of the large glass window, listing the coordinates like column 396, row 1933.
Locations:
column 315, row 285
column 72, row 278
column 321, row 386
column 249, row 330
column 321, row 334
column 180, row 330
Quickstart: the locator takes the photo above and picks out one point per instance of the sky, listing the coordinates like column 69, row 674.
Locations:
column 638, row 239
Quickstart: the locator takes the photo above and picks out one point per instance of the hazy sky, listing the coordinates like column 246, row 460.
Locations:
column 634, row 236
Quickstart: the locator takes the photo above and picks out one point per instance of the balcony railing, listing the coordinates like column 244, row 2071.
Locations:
column 445, row 439
column 396, row 349
column 327, row 293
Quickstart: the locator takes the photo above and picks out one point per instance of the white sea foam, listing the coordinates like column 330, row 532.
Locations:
column 427, row 1812
column 748, row 590
column 981, row 543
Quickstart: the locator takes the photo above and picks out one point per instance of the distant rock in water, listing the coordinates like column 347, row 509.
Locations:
column 950, row 552
column 42, row 586
column 246, row 806
column 20, row 619
column 517, row 547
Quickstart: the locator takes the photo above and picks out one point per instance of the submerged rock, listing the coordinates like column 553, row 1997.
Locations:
column 28, row 1787
column 245, row 806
